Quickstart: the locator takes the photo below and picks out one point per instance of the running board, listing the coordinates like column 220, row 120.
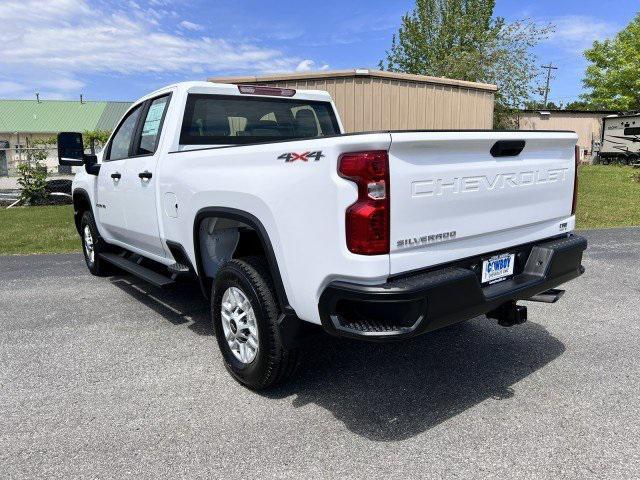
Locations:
column 550, row 296
column 139, row 271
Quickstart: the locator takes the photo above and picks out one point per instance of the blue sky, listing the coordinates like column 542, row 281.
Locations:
column 122, row 49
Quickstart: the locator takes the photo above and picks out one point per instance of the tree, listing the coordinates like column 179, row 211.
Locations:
column 93, row 139
column 580, row 105
column 538, row 105
column 462, row 39
column 613, row 77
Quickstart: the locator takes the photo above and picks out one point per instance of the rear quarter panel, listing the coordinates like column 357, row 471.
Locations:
column 301, row 204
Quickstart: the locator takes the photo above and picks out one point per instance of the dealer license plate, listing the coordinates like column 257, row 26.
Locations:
column 497, row 268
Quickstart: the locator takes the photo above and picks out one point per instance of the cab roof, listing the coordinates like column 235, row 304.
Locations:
column 232, row 89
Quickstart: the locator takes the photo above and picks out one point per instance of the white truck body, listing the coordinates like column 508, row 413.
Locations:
column 450, row 198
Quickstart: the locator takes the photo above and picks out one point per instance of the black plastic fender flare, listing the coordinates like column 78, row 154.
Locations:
column 80, row 193
column 289, row 325
column 253, row 222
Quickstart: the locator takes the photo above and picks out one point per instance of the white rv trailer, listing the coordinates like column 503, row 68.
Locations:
column 620, row 138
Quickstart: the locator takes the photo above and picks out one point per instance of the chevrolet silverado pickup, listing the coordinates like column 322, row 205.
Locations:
column 287, row 222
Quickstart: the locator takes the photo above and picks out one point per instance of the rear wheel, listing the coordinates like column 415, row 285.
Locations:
column 245, row 319
column 92, row 246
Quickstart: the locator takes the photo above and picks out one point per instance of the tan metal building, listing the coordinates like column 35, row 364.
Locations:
column 369, row 100
column 587, row 124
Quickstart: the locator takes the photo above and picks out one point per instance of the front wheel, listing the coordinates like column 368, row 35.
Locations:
column 245, row 319
column 92, row 246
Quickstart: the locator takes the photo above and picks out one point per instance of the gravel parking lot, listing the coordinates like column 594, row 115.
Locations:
column 109, row 378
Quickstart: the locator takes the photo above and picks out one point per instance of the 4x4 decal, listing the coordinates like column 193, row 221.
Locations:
column 304, row 157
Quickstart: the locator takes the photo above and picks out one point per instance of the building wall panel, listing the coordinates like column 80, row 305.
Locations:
column 387, row 101
column 588, row 126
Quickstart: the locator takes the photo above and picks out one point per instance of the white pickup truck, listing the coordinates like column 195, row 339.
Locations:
column 288, row 222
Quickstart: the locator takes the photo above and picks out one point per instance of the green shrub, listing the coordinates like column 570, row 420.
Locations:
column 33, row 182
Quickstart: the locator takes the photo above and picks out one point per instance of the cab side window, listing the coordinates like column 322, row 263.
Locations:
column 150, row 133
column 122, row 139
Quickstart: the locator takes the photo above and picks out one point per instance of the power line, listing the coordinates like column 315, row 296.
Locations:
column 546, row 90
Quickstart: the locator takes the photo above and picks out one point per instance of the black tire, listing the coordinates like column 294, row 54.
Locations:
column 273, row 363
column 97, row 266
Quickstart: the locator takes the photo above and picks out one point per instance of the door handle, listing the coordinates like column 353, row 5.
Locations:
column 116, row 176
column 145, row 175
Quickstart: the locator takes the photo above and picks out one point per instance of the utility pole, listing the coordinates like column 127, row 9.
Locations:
column 546, row 90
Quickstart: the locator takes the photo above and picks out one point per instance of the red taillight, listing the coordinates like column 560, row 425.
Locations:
column 575, row 182
column 273, row 91
column 367, row 220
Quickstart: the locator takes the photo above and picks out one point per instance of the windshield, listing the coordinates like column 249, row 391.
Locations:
column 238, row 120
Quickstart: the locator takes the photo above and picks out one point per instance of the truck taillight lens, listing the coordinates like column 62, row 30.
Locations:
column 367, row 220
column 574, row 205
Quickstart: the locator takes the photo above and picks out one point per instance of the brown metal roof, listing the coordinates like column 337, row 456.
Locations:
column 317, row 75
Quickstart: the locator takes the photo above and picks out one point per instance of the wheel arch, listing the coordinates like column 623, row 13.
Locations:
column 263, row 236
column 81, row 203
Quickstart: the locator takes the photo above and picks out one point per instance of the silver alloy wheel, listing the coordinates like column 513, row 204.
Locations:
column 88, row 244
column 239, row 325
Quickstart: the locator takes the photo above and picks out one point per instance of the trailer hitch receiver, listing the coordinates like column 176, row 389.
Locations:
column 509, row 314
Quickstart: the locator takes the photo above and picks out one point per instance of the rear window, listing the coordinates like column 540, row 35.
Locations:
column 236, row 120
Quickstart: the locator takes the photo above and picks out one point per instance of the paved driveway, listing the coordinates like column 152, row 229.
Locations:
column 109, row 378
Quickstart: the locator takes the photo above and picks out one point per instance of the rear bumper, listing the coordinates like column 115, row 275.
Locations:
column 424, row 301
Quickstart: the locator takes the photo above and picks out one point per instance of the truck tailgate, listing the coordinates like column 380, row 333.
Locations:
column 452, row 199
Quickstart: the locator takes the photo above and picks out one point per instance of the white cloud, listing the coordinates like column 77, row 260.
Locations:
column 578, row 32
column 308, row 65
column 55, row 44
column 63, row 84
column 9, row 89
column 194, row 27
column 38, row 13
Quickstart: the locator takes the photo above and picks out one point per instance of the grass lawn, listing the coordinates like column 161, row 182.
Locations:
column 38, row 230
column 608, row 197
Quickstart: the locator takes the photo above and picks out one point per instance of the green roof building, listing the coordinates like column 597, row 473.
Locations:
column 53, row 116
column 24, row 121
